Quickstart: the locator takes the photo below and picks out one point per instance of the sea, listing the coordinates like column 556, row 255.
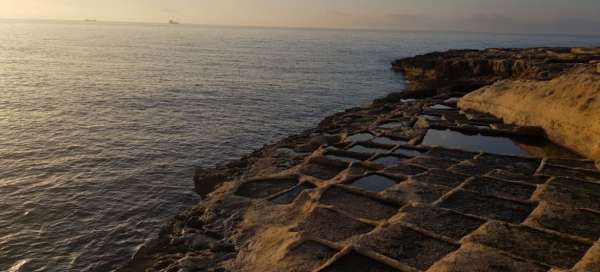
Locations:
column 102, row 124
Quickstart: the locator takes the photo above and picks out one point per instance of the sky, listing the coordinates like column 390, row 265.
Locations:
column 505, row 16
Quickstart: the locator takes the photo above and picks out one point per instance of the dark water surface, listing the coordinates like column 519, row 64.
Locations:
column 473, row 143
column 102, row 124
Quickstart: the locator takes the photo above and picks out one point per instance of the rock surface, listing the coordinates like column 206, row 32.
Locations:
column 478, row 68
column 401, row 185
column 567, row 107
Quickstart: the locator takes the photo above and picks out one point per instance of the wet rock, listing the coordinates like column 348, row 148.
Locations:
column 314, row 143
column 205, row 181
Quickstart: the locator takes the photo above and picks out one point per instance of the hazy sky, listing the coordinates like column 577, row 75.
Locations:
column 564, row 16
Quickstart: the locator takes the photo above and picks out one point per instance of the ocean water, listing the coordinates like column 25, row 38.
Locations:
column 102, row 124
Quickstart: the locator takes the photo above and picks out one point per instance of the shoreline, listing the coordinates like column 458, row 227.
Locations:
column 266, row 210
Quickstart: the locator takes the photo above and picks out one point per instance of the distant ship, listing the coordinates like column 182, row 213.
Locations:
column 173, row 22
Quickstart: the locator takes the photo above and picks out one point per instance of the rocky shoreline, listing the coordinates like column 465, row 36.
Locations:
column 402, row 185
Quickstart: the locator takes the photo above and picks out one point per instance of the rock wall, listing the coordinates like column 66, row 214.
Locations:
column 567, row 107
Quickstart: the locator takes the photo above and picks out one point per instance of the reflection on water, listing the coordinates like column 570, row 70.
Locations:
column 440, row 107
column 475, row 143
column 431, row 117
column 388, row 141
column 391, row 125
column 342, row 158
column 523, row 147
column 547, row 149
column 103, row 124
column 366, row 149
column 407, row 152
column 389, row 161
column 374, row 183
column 361, row 137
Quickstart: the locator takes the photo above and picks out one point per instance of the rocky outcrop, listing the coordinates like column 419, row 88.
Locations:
column 567, row 107
column 409, row 183
column 474, row 67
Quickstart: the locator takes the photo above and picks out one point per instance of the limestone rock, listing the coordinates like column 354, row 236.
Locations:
column 371, row 189
column 460, row 67
column 567, row 108
column 586, row 51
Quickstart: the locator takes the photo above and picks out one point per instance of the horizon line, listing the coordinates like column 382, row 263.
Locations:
column 181, row 23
